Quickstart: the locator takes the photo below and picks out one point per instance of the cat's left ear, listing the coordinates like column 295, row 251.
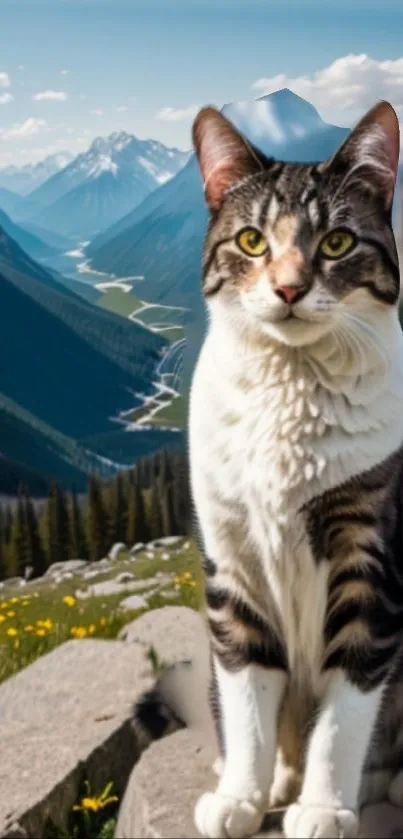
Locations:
column 225, row 157
column 371, row 152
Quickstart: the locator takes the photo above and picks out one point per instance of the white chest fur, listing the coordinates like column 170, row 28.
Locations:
column 269, row 431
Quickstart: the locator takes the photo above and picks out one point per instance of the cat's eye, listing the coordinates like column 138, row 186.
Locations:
column 251, row 241
column 336, row 244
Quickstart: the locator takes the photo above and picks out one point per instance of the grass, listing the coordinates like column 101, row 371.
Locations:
column 40, row 616
column 120, row 302
column 171, row 333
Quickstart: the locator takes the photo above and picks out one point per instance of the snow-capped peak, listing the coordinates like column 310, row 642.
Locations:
column 103, row 163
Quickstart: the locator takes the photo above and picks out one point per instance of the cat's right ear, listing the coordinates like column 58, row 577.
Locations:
column 225, row 157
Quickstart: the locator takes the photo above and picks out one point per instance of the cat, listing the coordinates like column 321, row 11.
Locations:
column 296, row 463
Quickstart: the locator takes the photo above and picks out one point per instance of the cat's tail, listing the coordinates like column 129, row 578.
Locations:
column 178, row 699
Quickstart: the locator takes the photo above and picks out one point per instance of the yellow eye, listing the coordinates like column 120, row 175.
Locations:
column 337, row 244
column 251, row 241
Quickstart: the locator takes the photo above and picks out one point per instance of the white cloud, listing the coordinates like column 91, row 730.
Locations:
column 64, row 72
column 350, row 85
column 5, row 98
column 28, row 128
column 96, row 112
column 177, row 114
column 122, row 108
column 4, row 80
column 51, row 96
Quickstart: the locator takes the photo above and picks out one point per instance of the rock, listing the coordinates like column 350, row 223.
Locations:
column 13, row 581
column 173, row 772
column 28, row 571
column 150, row 555
column 165, row 556
column 137, row 548
column 165, row 542
column 116, row 549
column 176, row 632
column 72, row 565
column 169, row 594
column 136, row 601
column 105, row 587
column 124, row 577
column 76, row 724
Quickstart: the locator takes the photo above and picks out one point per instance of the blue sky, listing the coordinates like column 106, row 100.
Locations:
column 158, row 63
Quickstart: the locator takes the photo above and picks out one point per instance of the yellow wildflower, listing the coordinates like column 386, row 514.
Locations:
column 47, row 624
column 2, row 618
column 14, row 600
column 11, row 631
column 25, row 602
column 16, row 644
column 11, row 614
column 103, row 621
column 4, row 604
column 187, row 575
column 97, row 802
column 91, row 629
column 29, row 628
column 78, row 631
column 40, row 632
column 69, row 600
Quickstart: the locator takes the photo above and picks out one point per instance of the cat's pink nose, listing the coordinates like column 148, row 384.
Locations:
column 290, row 293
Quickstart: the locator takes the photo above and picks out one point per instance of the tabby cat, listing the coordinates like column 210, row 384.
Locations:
column 296, row 456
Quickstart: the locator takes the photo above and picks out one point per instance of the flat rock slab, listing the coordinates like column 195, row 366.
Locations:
column 65, row 718
column 168, row 779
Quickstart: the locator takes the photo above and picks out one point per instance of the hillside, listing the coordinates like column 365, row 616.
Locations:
column 73, row 365
column 24, row 179
column 27, row 240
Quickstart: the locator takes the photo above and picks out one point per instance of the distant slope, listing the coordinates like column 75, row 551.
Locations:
column 126, row 447
column 71, row 364
column 24, row 179
column 27, row 240
column 10, row 201
column 36, row 452
column 49, row 237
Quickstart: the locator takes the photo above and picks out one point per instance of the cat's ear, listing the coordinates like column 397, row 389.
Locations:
column 371, row 151
column 225, row 157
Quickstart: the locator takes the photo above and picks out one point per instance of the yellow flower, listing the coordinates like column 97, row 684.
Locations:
column 69, row 600
column 16, row 644
column 4, row 604
column 103, row 621
column 78, row 631
column 25, row 602
column 14, row 600
column 11, row 614
column 47, row 624
column 97, row 802
column 2, row 618
column 11, row 631
column 29, row 628
column 187, row 575
column 40, row 632
column 91, row 629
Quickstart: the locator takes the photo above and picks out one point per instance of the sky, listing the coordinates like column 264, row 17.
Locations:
column 72, row 70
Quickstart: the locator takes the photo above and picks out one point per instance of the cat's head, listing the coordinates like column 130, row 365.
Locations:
column 295, row 250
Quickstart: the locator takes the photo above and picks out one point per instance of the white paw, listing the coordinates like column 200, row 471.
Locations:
column 303, row 821
column 219, row 816
column 285, row 787
column 395, row 793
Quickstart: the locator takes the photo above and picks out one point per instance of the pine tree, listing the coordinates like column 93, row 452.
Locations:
column 79, row 548
column 137, row 526
column 56, row 526
column 18, row 554
column 118, row 510
column 169, row 527
column 2, row 545
column 156, row 525
column 37, row 557
column 97, row 521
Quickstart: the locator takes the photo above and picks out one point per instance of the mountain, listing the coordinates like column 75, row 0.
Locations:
column 10, row 201
column 24, row 179
column 103, row 184
column 162, row 238
column 67, row 362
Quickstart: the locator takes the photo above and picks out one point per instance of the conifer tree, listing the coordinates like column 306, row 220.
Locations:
column 36, row 552
column 118, row 510
column 56, row 526
column 18, row 554
column 79, row 548
column 97, row 521
column 169, row 527
column 156, row 525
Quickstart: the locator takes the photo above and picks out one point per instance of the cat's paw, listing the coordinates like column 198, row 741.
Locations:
column 303, row 821
column 285, row 787
column 395, row 792
column 220, row 816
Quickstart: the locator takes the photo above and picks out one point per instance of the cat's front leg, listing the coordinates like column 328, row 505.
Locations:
column 250, row 696
column 327, row 806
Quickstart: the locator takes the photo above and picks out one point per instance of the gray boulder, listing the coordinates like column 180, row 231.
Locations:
column 135, row 601
column 70, row 565
column 116, row 550
column 137, row 548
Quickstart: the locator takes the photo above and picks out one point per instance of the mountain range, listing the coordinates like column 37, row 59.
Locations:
column 100, row 185
column 24, row 179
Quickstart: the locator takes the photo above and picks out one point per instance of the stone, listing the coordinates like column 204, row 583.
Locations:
column 28, row 572
column 165, row 542
column 106, row 587
column 171, row 775
column 174, row 631
column 124, row 577
column 72, row 565
column 116, row 550
column 65, row 718
column 137, row 548
column 135, row 601
column 150, row 555
column 165, row 555
column 13, row 581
